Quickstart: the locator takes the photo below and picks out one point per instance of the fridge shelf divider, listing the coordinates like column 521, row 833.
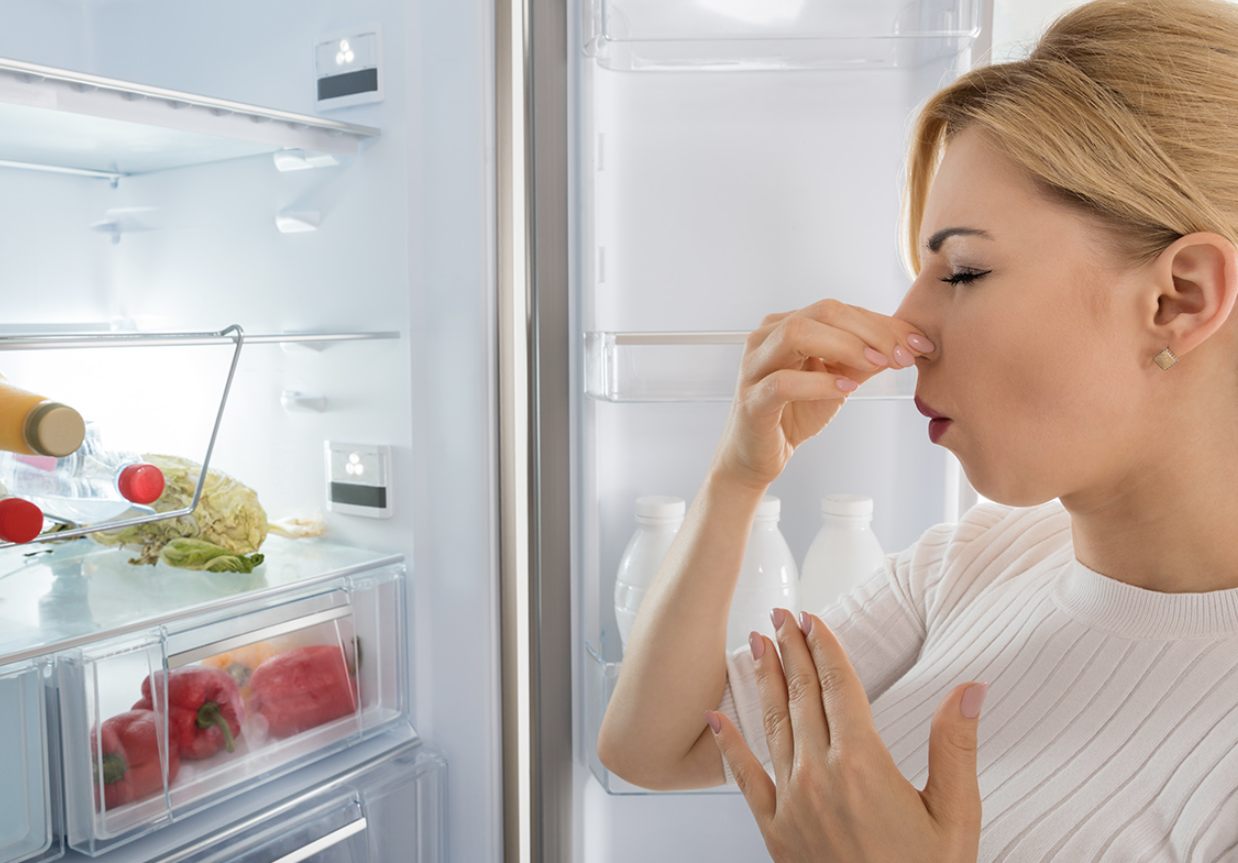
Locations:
column 683, row 366
column 232, row 333
column 53, row 119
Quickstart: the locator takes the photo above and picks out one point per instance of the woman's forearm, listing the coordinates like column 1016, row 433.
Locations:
column 674, row 665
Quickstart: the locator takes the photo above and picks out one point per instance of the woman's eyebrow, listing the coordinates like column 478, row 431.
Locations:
column 935, row 241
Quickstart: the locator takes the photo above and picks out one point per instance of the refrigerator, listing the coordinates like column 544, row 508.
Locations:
column 290, row 205
column 453, row 283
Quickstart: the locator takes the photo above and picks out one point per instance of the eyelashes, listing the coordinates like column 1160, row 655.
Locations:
column 965, row 277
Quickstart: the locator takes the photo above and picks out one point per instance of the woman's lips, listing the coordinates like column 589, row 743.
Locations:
column 937, row 428
column 928, row 411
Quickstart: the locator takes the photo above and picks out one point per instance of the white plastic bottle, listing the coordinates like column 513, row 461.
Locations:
column 768, row 578
column 658, row 519
column 844, row 552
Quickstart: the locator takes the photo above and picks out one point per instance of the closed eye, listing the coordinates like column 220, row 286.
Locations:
column 965, row 277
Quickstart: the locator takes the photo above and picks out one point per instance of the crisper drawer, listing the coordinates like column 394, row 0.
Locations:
column 159, row 724
column 330, row 831
column 25, row 785
column 388, row 810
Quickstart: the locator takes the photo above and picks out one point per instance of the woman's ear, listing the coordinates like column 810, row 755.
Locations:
column 1192, row 290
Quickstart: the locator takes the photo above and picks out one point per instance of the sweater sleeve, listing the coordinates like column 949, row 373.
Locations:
column 881, row 622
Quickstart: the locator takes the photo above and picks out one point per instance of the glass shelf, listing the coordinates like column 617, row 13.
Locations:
column 746, row 35
column 44, row 338
column 692, row 367
column 70, row 122
column 59, row 595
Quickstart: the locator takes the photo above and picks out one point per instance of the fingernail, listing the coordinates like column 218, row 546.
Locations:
column 902, row 357
column 876, row 357
column 757, row 645
column 921, row 344
column 805, row 622
column 846, row 384
column 714, row 722
column 969, row 705
column 777, row 615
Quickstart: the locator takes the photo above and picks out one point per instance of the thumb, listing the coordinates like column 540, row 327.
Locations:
column 952, row 792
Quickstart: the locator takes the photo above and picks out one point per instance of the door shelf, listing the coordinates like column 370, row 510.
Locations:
column 691, row 367
column 761, row 35
column 600, row 678
column 71, row 122
column 293, row 680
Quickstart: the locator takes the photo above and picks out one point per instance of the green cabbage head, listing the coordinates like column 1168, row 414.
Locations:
column 228, row 513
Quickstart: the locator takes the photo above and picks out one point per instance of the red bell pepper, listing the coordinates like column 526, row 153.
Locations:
column 302, row 688
column 130, row 759
column 204, row 709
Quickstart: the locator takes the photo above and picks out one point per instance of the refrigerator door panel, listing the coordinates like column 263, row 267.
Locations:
column 728, row 160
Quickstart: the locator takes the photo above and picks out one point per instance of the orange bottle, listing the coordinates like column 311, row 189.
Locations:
column 33, row 425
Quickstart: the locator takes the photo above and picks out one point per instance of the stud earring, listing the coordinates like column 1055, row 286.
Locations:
column 1165, row 358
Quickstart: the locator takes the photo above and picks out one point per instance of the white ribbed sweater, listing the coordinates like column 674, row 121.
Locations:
column 1110, row 729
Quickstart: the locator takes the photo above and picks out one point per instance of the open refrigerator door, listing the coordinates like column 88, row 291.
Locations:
column 727, row 160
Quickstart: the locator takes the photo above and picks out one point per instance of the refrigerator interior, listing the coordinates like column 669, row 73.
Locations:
column 731, row 159
column 403, row 253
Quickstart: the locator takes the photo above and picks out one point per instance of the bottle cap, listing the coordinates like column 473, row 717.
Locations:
column 847, row 505
column 20, row 520
column 140, row 483
column 55, row 429
column 770, row 507
column 660, row 507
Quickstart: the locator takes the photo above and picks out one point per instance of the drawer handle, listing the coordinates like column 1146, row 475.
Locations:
column 193, row 655
column 335, row 837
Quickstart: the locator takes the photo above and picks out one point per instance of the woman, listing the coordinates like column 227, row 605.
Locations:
column 1080, row 333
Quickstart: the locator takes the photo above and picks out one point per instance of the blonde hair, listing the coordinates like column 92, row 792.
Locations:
column 1126, row 110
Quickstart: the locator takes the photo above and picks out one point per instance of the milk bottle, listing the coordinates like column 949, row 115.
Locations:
column 658, row 519
column 768, row 578
column 844, row 552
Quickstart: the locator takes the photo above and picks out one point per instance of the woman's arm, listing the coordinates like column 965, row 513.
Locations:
column 674, row 666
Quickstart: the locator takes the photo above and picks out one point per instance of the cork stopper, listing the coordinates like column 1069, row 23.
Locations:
column 55, row 429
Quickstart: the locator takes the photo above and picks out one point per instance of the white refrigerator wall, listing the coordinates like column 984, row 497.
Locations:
column 406, row 243
column 706, row 201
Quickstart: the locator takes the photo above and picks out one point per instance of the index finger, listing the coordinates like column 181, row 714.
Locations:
column 848, row 714
column 833, row 330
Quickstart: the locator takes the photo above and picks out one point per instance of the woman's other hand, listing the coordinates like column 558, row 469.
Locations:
column 838, row 793
column 787, row 389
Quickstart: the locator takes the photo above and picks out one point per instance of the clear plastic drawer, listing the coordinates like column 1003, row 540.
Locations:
column 333, row 831
column 26, row 832
column 388, row 808
column 162, row 722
